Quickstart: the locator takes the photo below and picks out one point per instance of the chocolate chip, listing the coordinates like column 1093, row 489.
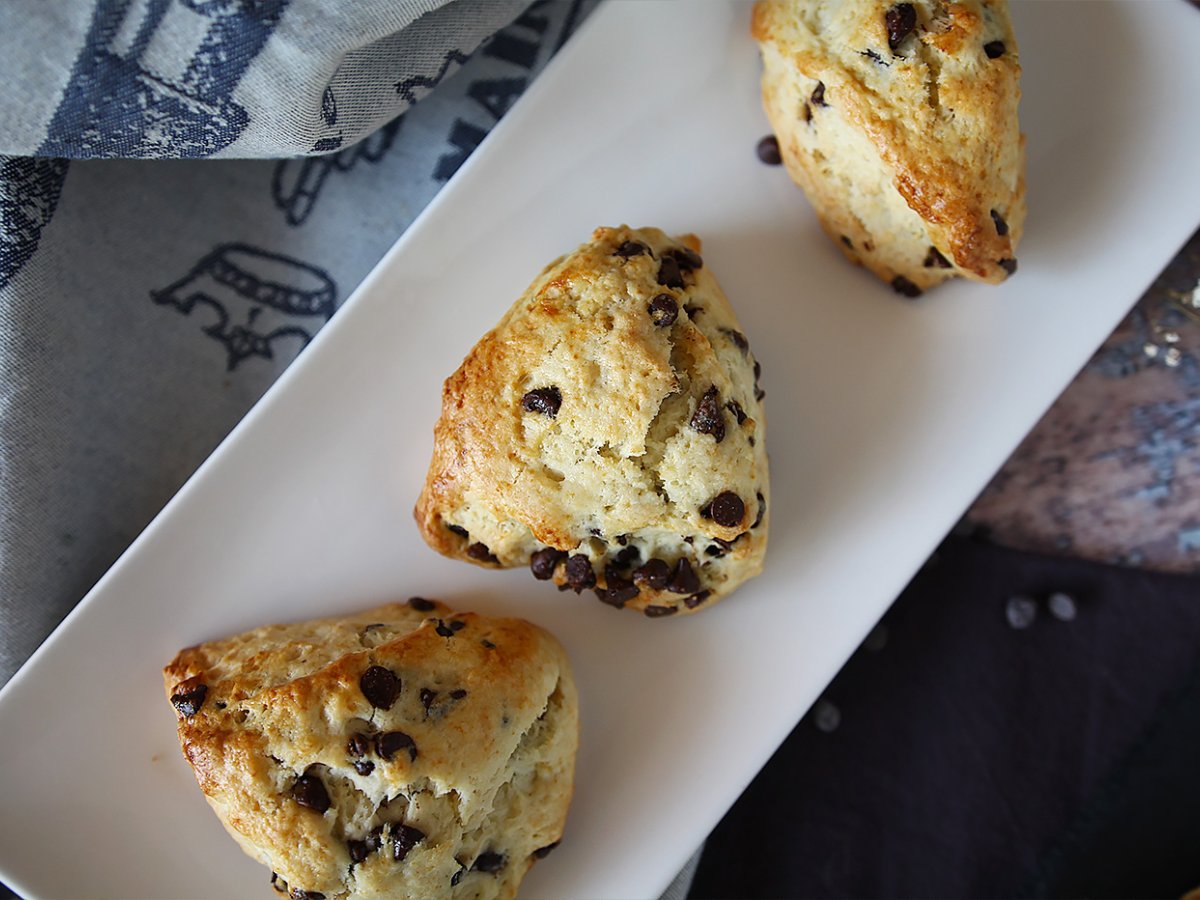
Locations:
column 309, row 791
column 994, row 49
column 631, row 248
column 420, row 604
column 488, row 644
column 1001, row 225
column 543, row 852
column 542, row 563
column 427, row 696
column 298, row 894
column 480, row 551
column 718, row 548
column 380, row 686
column 545, row 400
column 189, row 702
column 653, row 575
column 443, row 629
column 762, row 510
column 404, row 838
column 663, row 310
column 617, row 591
column 622, row 539
column 458, row 694
column 459, row 530
column 738, row 338
column 849, row 243
column 358, row 850
column 684, row 579
column 1008, row 265
column 657, row 612
column 391, row 742
column 934, row 258
column 278, row 883
column 669, row 274
column 687, row 258
column 696, row 599
column 707, row 418
column 458, row 625
column 627, row 557
column 736, row 408
column 364, row 766
column 359, row 745
column 768, row 150
column 901, row 19
column 727, row 509
column 579, row 573
column 902, row 285
column 818, row 95
column 489, row 862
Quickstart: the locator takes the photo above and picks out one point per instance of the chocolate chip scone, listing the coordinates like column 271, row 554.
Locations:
column 407, row 751
column 608, row 433
column 899, row 121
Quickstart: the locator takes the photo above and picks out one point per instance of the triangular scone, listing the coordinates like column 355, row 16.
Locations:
column 405, row 752
column 899, row 121
column 608, row 433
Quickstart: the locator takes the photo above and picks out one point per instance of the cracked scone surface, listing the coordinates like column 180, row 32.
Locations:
column 407, row 751
column 899, row 121
column 609, row 432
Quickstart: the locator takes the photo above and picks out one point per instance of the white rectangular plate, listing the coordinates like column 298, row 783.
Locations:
column 886, row 417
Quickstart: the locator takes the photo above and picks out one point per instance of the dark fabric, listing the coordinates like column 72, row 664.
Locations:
column 958, row 756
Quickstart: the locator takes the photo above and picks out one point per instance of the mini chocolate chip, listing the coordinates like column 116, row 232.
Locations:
column 901, row 19
column 657, row 612
column 309, row 791
column 736, row 408
column 818, row 95
column 663, row 310
column 768, row 150
column 391, row 742
column 545, row 400
column 849, row 243
column 1001, row 225
column 488, row 644
column 627, row 557
column 762, row 510
column 738, row 338
column 684, row 579
column 1008, row 265
column 298, row 894
column 459, row 530
column 579, row 573
column 669, row 274
column 687, row 258
column 359, row 745
column 420, row 604
column 458, row 694
column 489, row 862
column 189, row 702
column 902, row 285
column 653, row 575
column 480, row 551
column 404, row 838
column 696, row 599
column 994, row 49
column 631, row 248
column 427, row 696
column 934, row 258
column 358, row 850
column 542, row 563
column 380, row 686
column 278, row 883
column 364, row 766
column 727, row 509
column 543, row 852
column 707, row 418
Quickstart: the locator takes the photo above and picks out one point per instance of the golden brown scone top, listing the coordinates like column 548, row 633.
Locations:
column 931, row 88
column 407, row 751
column 608, row 432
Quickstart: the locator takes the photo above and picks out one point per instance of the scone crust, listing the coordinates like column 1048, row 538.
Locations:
column 618, row 474
column 488, row 711
column 912, row 156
